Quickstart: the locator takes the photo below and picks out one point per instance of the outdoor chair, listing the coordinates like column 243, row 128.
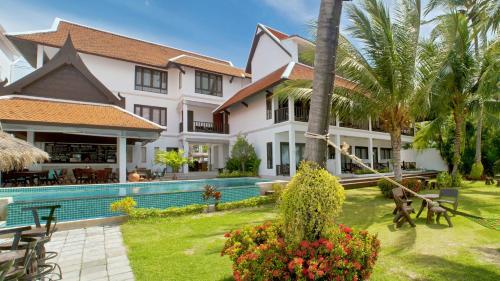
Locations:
column 18, row 264
column 448, row 196
column 101, row 176
column 403, row 208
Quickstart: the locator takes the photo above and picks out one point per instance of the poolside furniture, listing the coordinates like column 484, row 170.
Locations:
column 16, row 264
column 424, row 204
column 437, row 210
column 403, row 208
column 101, row 176
column 448, row 196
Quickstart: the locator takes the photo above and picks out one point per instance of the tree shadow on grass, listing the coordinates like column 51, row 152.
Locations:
column 444, row 269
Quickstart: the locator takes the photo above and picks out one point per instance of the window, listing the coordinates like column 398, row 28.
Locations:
column 150, row 80
column 269, row 106
column 143, row 154
column 269, row 146
column 386, row 153
column 208, row 83
column 152, row 113
column 331, row 152
column 172, row 149
column 361, row 152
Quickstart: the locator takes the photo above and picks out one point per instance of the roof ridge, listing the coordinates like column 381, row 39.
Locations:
column 184, row 55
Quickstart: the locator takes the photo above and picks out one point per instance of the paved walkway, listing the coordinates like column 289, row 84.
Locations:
column 94, row 253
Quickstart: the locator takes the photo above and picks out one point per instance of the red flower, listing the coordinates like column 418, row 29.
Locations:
column 227, row 235
column 304, row 244
column 310, row 275
column 329, row 245
column 346, row 229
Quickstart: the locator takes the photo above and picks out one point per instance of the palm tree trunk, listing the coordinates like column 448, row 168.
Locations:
column 396, row 153
column 324, row 73
column 459, row 120
column 479, row 128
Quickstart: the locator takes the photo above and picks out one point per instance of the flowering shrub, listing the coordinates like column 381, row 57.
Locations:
column 125, row 205
column 210, row 192
column 261, row 253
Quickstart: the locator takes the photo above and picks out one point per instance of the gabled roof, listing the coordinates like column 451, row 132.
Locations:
column 40, row 111
column 67, row 55
column 290, row 71
column 187, row 60
column 274, row 34
column 102, row 43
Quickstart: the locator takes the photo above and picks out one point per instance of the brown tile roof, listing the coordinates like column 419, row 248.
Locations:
column 298, row 72
column 209, row 65
column 102, row 43
column 280, row 35
column 50, row 112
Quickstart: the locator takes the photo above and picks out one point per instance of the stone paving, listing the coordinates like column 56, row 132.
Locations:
column 94, row 253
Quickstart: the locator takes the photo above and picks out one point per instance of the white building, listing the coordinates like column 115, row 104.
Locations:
column 205, row 102
column 12, row 65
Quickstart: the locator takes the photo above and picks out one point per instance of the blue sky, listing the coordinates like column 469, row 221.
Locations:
column 219, row 28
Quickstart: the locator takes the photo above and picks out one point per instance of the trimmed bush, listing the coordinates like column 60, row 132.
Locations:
column 243, row 157
column 456, row 181
column 443, row 180
column 476, row 171
column 250, row 202
column 309, row 204
column 236, row 174
column 262, row 253
column 386, row 186
column 142, row 213
column 125, row 205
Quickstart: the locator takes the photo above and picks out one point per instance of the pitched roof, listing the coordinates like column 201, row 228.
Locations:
column 57, row 112
column 274, row 34
column 290, row 71
column 102, row 43
column 280, row 35
column 212, row 66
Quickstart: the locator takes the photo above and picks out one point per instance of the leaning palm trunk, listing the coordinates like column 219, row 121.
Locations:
column 396, row 153
column 324, row 73
column 477, row 157
column 457, row 142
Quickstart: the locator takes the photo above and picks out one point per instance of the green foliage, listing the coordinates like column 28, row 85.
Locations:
column 456, row 181
column 362, row 172
column 243, row 157
column 250, row 202
column 496, row 168
column 174, row 159
column 476, row 171
column 261, row 253
column 386, row 186
column 309, row 204
column 236, row 174
column 278, row 189
column 143, row 213
column 210, row 192
column 443, row 180
column 125, row 205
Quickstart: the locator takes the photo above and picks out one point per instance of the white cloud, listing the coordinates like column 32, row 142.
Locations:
column 301, row 11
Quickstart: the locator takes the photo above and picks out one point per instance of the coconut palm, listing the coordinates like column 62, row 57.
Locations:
column 392, row 69
column 326, row 48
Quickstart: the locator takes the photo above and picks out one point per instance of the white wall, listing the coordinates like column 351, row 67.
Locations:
column 268, row 56
column 430, row 159
column 244, row 119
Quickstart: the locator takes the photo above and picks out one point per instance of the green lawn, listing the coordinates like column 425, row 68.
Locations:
column 188, row 248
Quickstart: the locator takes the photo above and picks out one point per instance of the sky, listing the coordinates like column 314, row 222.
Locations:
column 218, row 28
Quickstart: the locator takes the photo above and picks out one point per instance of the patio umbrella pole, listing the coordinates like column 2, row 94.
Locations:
column 344, row 150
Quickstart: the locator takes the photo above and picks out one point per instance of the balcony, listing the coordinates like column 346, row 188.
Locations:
column 301, row 114
column 205, row 127
column 362, row 125
column 281, row 115
column 376, row 126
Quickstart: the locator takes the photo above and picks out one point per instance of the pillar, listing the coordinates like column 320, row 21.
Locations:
column 185, row 147
column 338, row 156
column 370, row 125
column 184, row 118
column 121, row 157
column 30, row 137
column 370, row 149
column 291, row 149
column 291, row 110
column 276, row 152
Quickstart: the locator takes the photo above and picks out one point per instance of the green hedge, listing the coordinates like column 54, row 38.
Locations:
column 250, row 202
column 142, row 213
column 236, row 174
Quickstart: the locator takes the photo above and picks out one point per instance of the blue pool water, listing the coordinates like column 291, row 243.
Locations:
column 93, row 201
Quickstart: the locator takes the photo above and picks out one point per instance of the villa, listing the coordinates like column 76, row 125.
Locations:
column 99, row 99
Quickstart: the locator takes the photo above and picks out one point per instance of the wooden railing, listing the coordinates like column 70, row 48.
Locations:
column 363, row 125
column 283, row 170
column 206, row 127
column 301, row 114
column 281, row 115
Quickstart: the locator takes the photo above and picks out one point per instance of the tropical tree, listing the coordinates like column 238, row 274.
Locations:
column 391, row 68
column 324, row 72
column 173, row 158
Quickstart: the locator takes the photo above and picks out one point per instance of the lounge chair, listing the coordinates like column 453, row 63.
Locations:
column 403, row 208
column 448, row 196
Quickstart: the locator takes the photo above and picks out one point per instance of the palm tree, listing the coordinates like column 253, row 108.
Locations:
column 324, row 73
column 392, row 69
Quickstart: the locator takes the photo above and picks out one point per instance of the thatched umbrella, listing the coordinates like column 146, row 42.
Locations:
column 16, row 154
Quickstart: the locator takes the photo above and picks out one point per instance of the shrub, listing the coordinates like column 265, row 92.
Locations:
column 443, row 180
column 384, row 170
column 243, row 157
column 250, row 202
column 143, row 213
column 262, row 253
column 476, row 171
column 236, row 174
column 125, row 205
column 413, row 184
column 362, row 172
column 385, row 187
column 278, row 189
column 496, row 167
column 210, row 192
column 311, row 201
column 456, row 181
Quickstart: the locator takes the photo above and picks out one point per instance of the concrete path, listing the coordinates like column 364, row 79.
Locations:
column 94, row 253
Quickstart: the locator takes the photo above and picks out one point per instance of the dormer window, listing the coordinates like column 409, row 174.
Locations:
column 150, row 80
column 208, row 83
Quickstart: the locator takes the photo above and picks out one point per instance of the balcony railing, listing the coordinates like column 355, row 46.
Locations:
column 205, row 127
column 301, row 114
column 362, row 125
column 283, row 170
column 281, row 115
column 376, row 126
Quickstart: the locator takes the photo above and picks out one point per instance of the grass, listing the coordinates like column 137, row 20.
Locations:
column 188, row 248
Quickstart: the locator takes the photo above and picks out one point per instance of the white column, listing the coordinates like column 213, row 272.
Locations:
column 30, row 137
column 370, row 124
column 39, row 56
column 121, row 157
column 337, row 121
column 185, row 144
column 370, row 150
column 184, row 118
column 291, row 109
column 338, row 156
column 291, row 149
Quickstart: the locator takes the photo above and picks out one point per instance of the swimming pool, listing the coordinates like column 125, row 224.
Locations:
column 92, row 201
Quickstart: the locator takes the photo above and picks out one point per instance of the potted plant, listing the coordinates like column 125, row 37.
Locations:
column 210, row 195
